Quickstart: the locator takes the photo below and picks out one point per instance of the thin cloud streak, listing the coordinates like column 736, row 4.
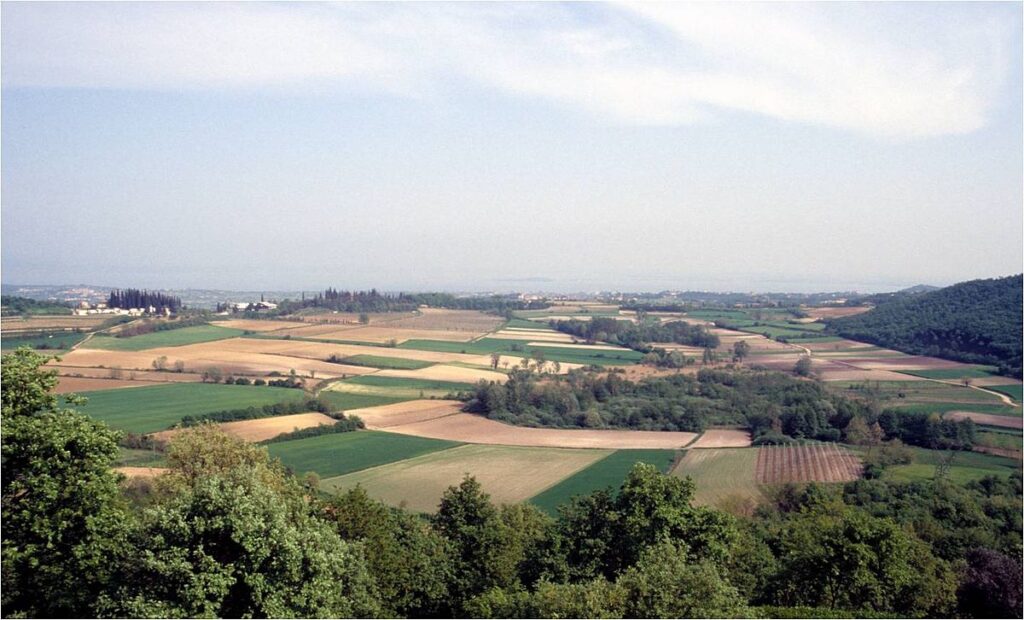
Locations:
column 642, row 64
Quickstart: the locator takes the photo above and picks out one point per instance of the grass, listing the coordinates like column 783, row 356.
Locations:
column 341, row 401
column 610, row 471
column 396, row 388
column 166, row 338
column 380, row 361
column 966, row 466
column 343, row 453
column 1016, row 392
column 944, row 407
column 60, row 341
column 154, row 408
column 1006, row 441
column 721, row 475
column 974, row 372
column 484, row 346
column 132, row 457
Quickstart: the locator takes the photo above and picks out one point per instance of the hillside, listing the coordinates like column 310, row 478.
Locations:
column 977, row 321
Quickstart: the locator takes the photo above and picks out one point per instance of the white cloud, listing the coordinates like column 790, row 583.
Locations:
column 630, row 63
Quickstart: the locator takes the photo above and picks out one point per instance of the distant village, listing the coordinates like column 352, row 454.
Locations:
column 85, row 308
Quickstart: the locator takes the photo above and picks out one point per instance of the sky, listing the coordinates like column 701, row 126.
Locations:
column 564, row 147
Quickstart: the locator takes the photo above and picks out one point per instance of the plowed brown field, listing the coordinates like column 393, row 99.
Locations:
column 807, row 463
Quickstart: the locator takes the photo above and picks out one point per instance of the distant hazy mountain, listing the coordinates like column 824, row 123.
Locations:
column 978, row 321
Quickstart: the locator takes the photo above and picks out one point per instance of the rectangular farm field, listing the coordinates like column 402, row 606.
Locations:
column 166, row 338
column 344, row 453
column 610, row 471
column 155, row 408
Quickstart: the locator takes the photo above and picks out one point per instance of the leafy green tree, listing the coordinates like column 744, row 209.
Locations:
column 592, row 599
column 803, row 366
column 63, row 517
column 410, row 563
column 666, row 583
column 740, row 350
column 842, row 558
column 234, row 537
column 488, row 552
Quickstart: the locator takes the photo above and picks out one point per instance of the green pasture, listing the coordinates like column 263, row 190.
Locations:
column 396, row 388
column 381, row 361
column 610, row 471
column 343, row 453
column 971, row 372
column 165, row 338
column 342, row 401
column 964, row 467
column 1016, row 392
column 155, row 408
column 46, row 343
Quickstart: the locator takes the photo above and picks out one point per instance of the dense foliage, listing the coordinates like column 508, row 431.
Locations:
column 637, row 335
column 774, row 406
column 254, row 413
column 136, row 298
column 12, row 305
column 978, row 322
column 227, row 532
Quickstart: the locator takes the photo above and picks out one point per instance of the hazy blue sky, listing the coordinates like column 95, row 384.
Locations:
column 528, row 146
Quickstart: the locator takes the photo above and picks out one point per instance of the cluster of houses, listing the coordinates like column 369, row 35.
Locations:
column 248, row 306
column 86, row 308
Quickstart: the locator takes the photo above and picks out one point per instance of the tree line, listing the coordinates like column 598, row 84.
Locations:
column 141, row 298
column 376, row 301
column 639, row 335
column 228, row 532
column 776, row 407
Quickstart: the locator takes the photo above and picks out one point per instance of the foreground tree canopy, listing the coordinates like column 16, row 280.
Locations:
column 229, row 533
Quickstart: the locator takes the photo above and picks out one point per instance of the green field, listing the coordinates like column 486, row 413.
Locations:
column 380, row 361
column 1010, row 440
column 965, row 466
column 610, row 471
column 165, row 338
column 944, row 407
column 343, row 453
column 973, row 372
column 149, row 409
column 722, row 475
column 397, row 388
column 53, row 342
column 131, row 457
column 494, row 345
column 1016, row 392
column 341, row 401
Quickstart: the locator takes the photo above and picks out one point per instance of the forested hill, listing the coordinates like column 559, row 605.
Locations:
column 978, row 321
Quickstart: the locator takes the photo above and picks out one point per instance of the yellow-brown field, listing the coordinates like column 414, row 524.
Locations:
column 442, row 372
column 469, row 428
column 263, row 428
column 510, row 475
column 386, row 416
column 255, row 325
column 66, row 385
column 65, row 322
column 722, row 438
